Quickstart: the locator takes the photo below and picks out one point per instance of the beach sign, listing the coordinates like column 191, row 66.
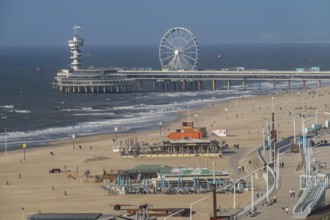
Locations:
column 24, row 146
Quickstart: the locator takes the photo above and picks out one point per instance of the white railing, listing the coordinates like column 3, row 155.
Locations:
column 308, row 188
column 319, row 195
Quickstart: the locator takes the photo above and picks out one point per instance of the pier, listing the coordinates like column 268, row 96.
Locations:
column 179, row 71
column 194, row 79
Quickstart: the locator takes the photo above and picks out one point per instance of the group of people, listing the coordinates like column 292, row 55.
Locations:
column 241, row 168
column 252, row 212
column 285, row 210
column 292, row 193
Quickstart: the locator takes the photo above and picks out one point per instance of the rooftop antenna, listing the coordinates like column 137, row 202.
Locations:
column 75, row 28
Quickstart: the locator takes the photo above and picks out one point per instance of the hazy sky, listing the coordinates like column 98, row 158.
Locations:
column 46, row 22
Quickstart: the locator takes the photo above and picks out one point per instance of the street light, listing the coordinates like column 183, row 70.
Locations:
column 226, row 110
column 73, row 137
column 234, row 183
column 262, row 131
column 316, row 111
column 272, row 104
column 116, row 130
column 160, row 128
column 306, row 151
column 241, row 178
column 236, row 98
column 196, row 116
column 270, row 140
column 191, row 204
column 293, row 117
column 278, row 163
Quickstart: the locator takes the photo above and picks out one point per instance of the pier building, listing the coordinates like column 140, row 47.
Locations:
column 77, row 80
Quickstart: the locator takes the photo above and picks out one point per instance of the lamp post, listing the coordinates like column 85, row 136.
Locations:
column 196, row 116
column 73, row 137
column 160, row 128
column 278, row 163
column 226, row 110
column 316, row 111
column 214, row 194
column 116, row 131
column 22, row 213
column 293, row 117
column 272, row 104
column 241, row 178
column 236, row 98
column 235, row 188
column 24, row 147
column 191, row 204
column 306, row 151
column 5, row 141
column 269, row 139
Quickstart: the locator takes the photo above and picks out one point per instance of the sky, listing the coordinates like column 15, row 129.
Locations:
column 121, row 22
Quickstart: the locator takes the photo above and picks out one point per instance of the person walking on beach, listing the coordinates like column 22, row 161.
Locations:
column 287, row 210
column 283, row 210
column 291, row 194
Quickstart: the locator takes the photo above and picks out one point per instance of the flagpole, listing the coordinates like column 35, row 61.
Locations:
column 5, row 142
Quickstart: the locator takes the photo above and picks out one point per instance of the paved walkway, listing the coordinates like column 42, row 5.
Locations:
column 290, row 180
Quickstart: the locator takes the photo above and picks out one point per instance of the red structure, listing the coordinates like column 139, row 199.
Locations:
column 188, row 131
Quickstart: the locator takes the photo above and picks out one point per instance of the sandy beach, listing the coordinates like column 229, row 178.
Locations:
column 29, row 185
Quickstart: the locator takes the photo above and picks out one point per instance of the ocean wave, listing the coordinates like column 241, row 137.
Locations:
column 7, row 106
column 22, row 111
column 94, row 114
column 83, row 109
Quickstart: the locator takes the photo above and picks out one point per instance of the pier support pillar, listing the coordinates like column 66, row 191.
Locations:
column 153, row 85
column 140, row 86
column 117, row 89
column 274, row 83
column 199, row 85
column 319, row 83
column 289, row 84
column 214, row 85
column 228, row 85
column 304, row 82
column 184, row 85
column 259, row 85
column 243, row 85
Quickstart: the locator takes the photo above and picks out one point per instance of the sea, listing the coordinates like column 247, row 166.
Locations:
column 31, row 112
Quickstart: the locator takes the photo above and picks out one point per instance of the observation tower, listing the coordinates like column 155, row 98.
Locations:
column 90, row 80
column 74, row 44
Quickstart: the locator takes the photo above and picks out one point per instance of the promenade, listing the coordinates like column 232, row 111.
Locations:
column 290, row 180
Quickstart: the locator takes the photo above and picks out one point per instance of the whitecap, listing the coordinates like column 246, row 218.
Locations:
column 7, row 106
column 23, row 111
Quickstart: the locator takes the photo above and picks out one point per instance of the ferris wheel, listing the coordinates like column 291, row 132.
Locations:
column 178, row 50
